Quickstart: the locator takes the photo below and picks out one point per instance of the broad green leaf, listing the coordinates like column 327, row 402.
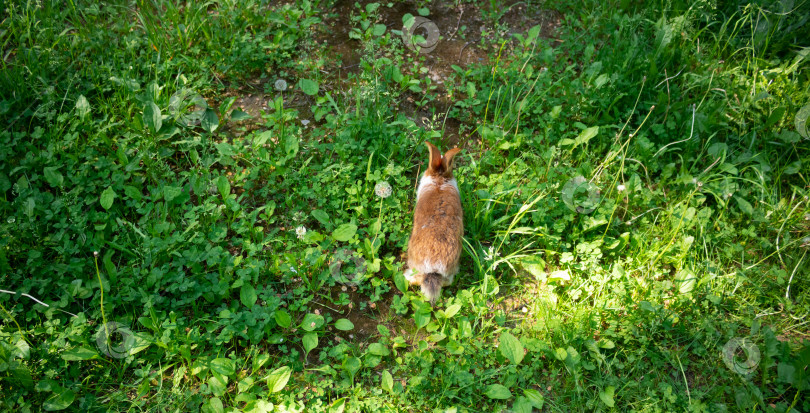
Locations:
column 107, row 197
column 379, row 29
column 352, row 366
column 587, row 135
column 437, row 337
column 387, row 381
column 606, row 344
column 344, row 232
column 215, row 404
column 260, row 361
column 744, row 205
column 59, row 400
column 601, row 80
column 421, row 318
column 310, row 87
column 533, row 32
column 453, row 347
column 247, row 294
column 291, row 144
column 522, row 405
column 223, row 366
column 218, row 384
column 312, row 322
column 79, row 353
column 210, row 121
column 378, row 349
column 171, row 192
column 283, row 318
column 511, row 348
column 262, row 138
column 140, row 341
column 338, row 405
column 344, row 324
column 498, row 391
column 686, row 280
column 424, row 11
column 452, row 310
column 535, row 398
column 132, row 192
column 559, row 276
column 278, row 379
column 237, row 115
column 52, row 175
column 400, row 282
column 408, row 20
column 786, row 373
column 224, row 186
column 82, row 106
column 152, row 117
column 606, row 396
column 20, row 374
column 310, row 341
column 321, row 216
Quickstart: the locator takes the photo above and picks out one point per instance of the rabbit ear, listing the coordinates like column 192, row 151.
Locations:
column 448, row 159
column 435, row 157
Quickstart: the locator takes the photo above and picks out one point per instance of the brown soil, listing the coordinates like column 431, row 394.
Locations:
column 465, row 31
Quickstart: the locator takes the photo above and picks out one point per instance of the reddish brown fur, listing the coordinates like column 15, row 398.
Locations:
column 438, row 223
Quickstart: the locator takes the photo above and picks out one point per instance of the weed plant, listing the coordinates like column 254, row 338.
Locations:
column 634, row 186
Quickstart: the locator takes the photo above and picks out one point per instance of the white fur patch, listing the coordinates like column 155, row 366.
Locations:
column 452, row 183
column 409, row 273
column 428, row 267
column 425, row 184
column 428, row 183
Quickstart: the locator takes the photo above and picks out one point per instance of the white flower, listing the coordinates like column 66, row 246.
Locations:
column 280, row 85
column 383, row 189
column 300, row 232
column 491, row 254
column 620, row 188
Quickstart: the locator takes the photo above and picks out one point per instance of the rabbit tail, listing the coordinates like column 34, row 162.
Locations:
column 432, row 286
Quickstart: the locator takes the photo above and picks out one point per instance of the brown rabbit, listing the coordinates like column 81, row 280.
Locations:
column 438, row 225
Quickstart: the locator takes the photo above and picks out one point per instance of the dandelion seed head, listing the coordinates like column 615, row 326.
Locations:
column 280, row 85
column 383, row 189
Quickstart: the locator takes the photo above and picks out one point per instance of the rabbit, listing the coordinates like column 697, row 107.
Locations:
column 434, row 248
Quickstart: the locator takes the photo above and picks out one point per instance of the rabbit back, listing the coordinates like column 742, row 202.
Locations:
column 438, row 226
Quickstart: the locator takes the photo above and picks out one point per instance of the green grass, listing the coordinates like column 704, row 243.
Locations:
column 635, row 190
